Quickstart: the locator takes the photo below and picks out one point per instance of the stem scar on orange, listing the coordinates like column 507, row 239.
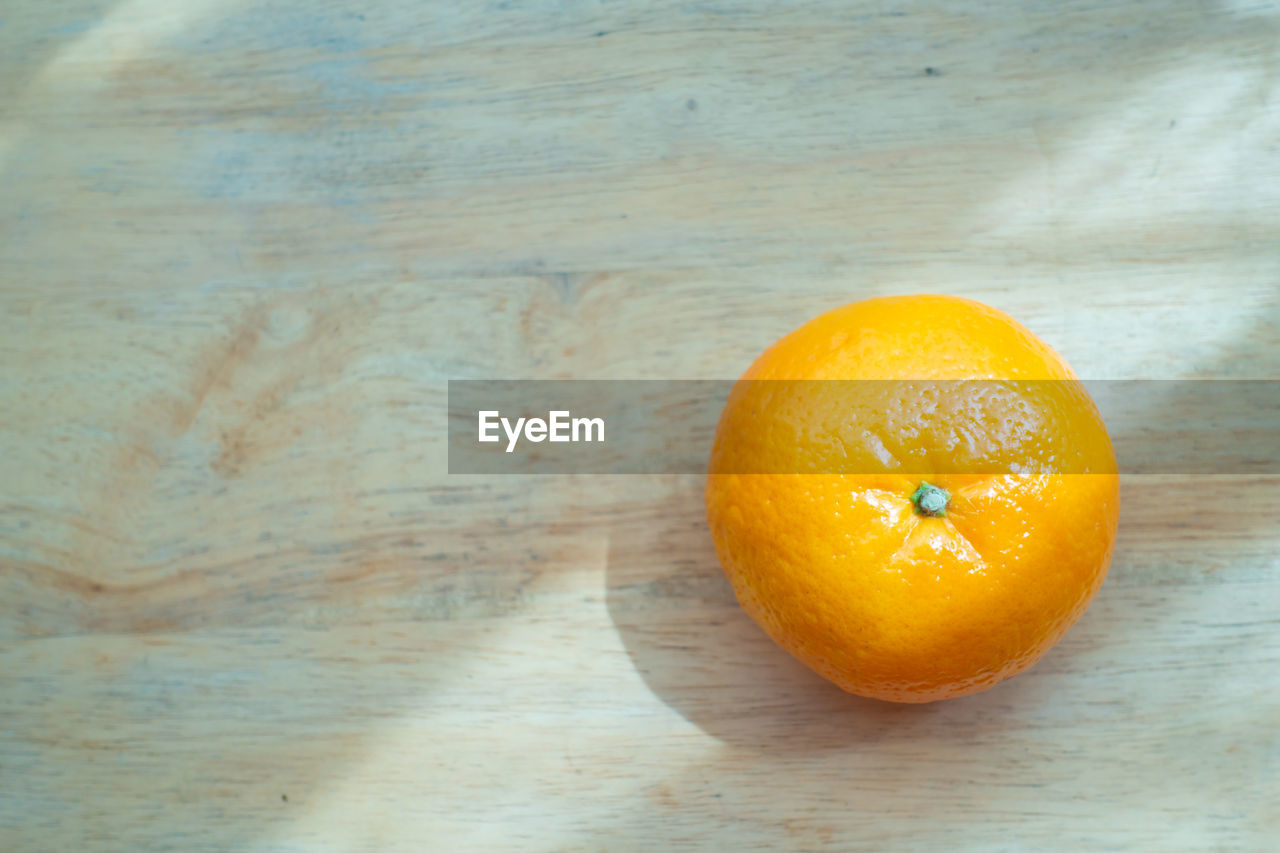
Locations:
column 920, row 538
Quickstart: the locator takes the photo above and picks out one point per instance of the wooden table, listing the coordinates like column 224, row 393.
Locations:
column 244, row 245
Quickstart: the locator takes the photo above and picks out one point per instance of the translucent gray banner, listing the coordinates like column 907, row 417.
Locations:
column 668, row 426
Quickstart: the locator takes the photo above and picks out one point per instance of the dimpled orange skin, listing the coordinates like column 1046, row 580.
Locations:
column 841, row 569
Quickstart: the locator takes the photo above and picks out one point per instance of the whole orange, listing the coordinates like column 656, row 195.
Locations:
column 908, row 536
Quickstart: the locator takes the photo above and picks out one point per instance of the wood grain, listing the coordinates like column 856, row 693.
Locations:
column 244, row 246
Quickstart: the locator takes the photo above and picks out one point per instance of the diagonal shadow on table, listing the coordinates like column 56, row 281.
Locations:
column 701, row 654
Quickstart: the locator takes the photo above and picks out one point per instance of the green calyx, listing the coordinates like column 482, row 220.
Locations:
column 930, row 500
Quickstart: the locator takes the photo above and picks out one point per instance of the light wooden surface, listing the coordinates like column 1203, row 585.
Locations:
column 244, row 245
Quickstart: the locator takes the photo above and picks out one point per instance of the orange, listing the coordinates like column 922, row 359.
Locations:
column 917, row 538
